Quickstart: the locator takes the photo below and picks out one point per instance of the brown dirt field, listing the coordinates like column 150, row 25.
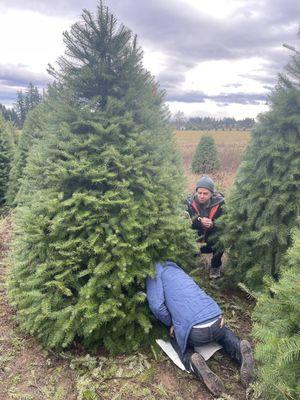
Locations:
column 230, row 146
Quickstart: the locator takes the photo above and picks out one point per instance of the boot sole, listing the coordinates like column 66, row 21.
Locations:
column 210, row 379
column 247, row 367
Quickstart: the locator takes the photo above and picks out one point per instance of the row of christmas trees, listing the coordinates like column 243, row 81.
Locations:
column 97, row 186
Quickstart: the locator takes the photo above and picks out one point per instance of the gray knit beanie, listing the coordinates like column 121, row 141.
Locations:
column 206, row 183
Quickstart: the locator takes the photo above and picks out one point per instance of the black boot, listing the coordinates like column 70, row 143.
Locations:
column 210, row 379
column 247, row 363
column 215, row 265
column 214, row 273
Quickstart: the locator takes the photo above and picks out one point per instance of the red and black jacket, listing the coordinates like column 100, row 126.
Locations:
column 212, row 210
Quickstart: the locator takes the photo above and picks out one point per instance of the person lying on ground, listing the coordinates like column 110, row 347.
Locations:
column 196, row 319
column 204, row 207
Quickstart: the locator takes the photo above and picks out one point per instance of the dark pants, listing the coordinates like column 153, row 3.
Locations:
column 214, row 333
column 216, row 260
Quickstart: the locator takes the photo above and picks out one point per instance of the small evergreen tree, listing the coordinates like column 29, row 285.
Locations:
column 32, row 130
column 25, row 102
column 32, row 97
column 179, row 119
column 277, row 327
column 100, row 197
column 6, row 153
column 264, row 204
column 206, row 157
column 9, row 114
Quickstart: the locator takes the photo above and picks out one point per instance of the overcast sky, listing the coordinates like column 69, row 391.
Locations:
column 214, row 57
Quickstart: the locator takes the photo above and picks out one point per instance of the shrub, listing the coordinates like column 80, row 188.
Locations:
column 277, row 327
column 206, row 158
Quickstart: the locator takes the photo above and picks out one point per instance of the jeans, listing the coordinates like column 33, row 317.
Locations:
column 214, row 333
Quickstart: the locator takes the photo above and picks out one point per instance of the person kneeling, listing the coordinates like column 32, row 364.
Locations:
column 204, row 208
column 178, row 302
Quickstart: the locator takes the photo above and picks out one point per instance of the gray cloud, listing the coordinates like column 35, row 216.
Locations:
column 257, row 29
column 222, row 98
column 264, row 79
column 179, row 29
column 51, row 7
column 194, row 96
column 7, row 98
column 233, row 85
column 240, row 98
column 187, row 37
column 7, row 94
column 18, row 75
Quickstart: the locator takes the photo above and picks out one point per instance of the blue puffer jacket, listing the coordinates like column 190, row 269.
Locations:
column 175, row 299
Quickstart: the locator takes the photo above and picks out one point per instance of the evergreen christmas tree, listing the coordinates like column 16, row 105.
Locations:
column 8, row 114
column 101, row 196
column 264, row 203
column 25, row 102
column 6, row 154
column 206, row 157
column 32, row 130
column 277, row 327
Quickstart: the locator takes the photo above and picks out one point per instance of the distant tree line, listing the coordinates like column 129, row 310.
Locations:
column 16, row 140
column 29, row 99
column 208, row 123
column 9, row 114
column 26, row 101
column 180, row 122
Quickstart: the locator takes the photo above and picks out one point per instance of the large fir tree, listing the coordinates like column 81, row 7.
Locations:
column 264, row 203
column 277, row 328
column 101, row 196
column 205, row 159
